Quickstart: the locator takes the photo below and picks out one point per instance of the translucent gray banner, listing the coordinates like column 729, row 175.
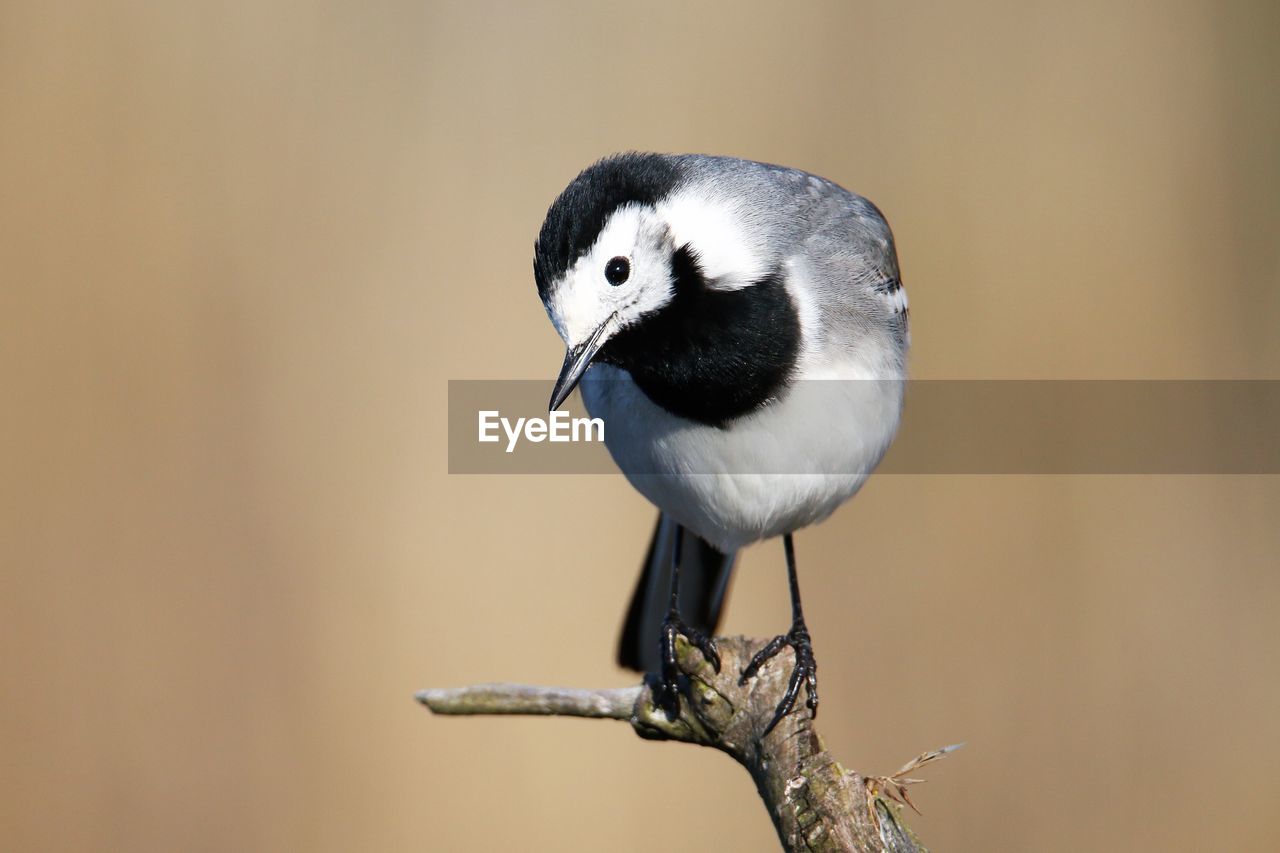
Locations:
column 948, row 427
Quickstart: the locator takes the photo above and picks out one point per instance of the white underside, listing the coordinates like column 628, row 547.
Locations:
column 786, row 466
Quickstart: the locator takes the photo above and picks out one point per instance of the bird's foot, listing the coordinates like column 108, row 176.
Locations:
column 805, row 670
column 668, row 690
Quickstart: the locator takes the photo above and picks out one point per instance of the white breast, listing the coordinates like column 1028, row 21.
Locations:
column 786, row 466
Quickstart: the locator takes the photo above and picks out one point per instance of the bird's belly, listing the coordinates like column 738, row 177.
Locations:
column 781, row 468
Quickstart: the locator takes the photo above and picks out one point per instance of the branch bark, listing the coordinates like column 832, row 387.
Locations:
column 815, row 803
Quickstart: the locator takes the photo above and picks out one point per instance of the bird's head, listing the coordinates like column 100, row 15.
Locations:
column 614, row 245
column 603, row 258
column 625, row 276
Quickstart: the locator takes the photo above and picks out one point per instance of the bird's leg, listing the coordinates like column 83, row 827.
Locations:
column 669, row 687
column 806, row 668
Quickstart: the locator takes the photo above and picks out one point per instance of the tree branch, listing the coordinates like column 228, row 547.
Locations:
column 610, row 703
column 815, row 803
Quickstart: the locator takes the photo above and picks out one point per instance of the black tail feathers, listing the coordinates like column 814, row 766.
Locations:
column 704, row 580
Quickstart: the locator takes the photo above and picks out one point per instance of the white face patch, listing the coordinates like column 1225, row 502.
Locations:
column 584, row 300
column 714, row 228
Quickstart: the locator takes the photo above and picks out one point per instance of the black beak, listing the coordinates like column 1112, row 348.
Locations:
column 576, row 361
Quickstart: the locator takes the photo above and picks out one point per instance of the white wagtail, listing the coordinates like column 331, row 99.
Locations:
column 703, row 293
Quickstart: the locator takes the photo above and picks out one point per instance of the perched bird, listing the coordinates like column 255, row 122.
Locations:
column 707, row 305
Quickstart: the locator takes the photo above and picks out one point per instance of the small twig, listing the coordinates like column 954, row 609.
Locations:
column 815, row 803
column 895, row 786
column 614, row 703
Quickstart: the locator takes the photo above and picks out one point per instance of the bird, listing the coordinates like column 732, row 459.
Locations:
column 741, row 330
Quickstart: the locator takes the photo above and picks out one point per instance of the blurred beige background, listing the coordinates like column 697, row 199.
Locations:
column 244, row 245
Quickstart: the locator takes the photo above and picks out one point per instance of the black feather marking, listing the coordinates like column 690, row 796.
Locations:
column 704, row 582
column 577, row 216
column 711, row 355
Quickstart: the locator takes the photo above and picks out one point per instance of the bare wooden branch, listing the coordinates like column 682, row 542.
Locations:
column 815, row 803
column 614, row 703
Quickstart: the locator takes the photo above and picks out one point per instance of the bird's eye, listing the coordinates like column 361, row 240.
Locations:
column 617, row 271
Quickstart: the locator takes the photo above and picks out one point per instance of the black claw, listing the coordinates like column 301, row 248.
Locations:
column 804, row 672
column 758, row 660
column 704, row 644
column 668, row 692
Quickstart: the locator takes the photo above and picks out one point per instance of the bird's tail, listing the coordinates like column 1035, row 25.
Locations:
column 704, row 580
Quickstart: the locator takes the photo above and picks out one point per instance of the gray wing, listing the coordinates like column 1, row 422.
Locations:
column 840, row 240
column 855, row 267
column 847, row 258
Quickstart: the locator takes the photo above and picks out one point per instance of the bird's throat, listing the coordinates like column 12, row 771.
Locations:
column 711, row 355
